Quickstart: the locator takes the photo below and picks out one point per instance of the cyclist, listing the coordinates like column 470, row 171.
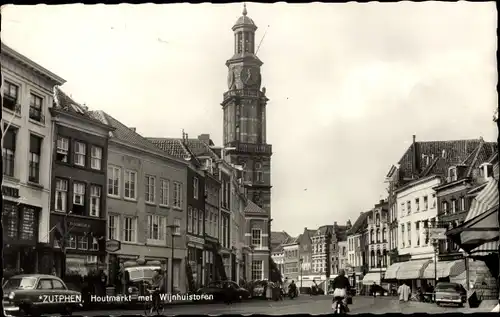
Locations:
column 157, row 286
column 341, row 288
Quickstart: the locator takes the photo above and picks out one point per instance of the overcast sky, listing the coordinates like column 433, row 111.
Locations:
column 349, row 84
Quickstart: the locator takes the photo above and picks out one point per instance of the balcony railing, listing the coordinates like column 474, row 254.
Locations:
column 252, row 148
column 11, row 104
column 36, row 114
column 252, row 93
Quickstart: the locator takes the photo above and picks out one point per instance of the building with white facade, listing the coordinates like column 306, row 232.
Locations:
column 27, row 95
column 343, row 258
column 278, row 256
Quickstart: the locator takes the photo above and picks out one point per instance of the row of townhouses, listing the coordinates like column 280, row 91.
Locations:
column 82, row 191
column 437, row 191
column 315, row 256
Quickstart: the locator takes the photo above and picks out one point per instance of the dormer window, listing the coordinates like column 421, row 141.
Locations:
column 452, row 174
column 209, row 165
column 486, row 170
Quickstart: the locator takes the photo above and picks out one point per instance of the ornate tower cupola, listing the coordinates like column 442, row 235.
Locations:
column 244, row 35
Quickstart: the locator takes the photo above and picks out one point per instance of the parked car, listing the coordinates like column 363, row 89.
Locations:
column 218, row 289
column 450, row 293
column 35, row 294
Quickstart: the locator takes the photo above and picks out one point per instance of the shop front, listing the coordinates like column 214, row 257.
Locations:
column 212, row 261
column 20, row 238
column 84, row 246
column 195, row 261
column 410, row 272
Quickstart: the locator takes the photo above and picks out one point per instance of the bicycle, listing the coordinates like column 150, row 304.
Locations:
column 154, row 305
column 338, row 306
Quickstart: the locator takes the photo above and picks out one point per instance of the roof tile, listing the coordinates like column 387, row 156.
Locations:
column 63, row 102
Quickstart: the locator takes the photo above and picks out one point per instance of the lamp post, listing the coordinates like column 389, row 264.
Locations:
column 233, row 265
column 269, row 274
column 301, row 260
column 435, row 245
column 172, row 234
column 252, row 248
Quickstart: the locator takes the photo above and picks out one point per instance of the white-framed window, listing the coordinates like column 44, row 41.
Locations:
column 156, row 226
column 196, row 187
column 62, row 149
column 150, row 189
column 113, row 227
column 408, row 207
column 114, row 174
column 61, row 195
column 200, row 222
column 408, row 228
column 257, row 270
column 177, row 224
column 83, row 243
column 129, row 229
column 78, row 194
column 256, row 237
column 417, row 204
column 95, row 157
column 95, row 200
column 434, row 200
column 216, row 226
column 403, row 209
column 195, row 221
column 190, row 219
column 452, row 174
column 130, row 185
column 70, row 242
column 164, row 187
column 462, row 203
column 453, row 205
column 80, row 153
column 445, row 207
column 95, row 245
column 426, row 203
column 417, row 232
column 177, row 199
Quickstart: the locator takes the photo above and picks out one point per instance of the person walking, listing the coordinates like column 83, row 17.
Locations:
column 373, row 290
column 404, row 293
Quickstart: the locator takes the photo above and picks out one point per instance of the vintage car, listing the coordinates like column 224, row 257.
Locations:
column 450, row 293
column 35, row 294
column 220, row 290
column 138, row 279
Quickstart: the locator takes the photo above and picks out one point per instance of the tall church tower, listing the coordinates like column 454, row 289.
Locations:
column 244, row 106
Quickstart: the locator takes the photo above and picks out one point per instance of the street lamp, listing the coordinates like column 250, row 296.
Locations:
column 269, row 248
column 172, row 234
column 252, row 248
column 435, row 245
column 301, row 260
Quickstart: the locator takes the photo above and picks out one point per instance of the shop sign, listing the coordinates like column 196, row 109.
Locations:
column 113, row 245
column 196, row 240
column 78, row 224
column 437, row 233
column 10, row 191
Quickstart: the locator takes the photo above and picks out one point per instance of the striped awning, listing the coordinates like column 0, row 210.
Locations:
column 392, row 271
column 412, row 270
column 370, row 278
column 444, row 269
column 479, row 233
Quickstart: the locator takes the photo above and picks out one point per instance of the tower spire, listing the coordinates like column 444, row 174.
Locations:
column 244, row 8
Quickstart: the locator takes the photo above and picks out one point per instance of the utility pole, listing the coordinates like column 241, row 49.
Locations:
column 328, row 241
column 172, row 234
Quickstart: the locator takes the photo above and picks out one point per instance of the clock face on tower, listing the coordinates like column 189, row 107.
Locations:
column 249, row 75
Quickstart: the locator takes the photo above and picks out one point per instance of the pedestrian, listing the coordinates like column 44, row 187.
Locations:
column 228, row 293
column 404, row 292
column 373, row 290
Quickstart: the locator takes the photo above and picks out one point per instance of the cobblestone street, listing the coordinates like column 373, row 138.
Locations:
column 304, row 304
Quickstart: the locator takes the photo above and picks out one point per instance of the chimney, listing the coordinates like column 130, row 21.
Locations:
column 382, row 201
column 348, row 224
column 415, row 157
column 334, row 223
column 204, row 137
column 133, row 129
